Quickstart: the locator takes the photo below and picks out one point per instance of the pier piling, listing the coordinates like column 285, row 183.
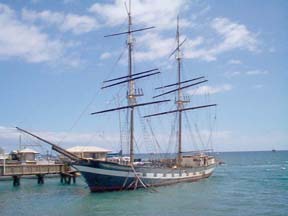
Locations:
column 40, row 179
column 65, row 178
column 16, row 180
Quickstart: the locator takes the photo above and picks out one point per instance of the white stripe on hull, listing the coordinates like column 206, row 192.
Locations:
column 125, row 174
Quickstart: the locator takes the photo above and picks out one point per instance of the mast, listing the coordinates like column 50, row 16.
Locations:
column 130, row 96
column 179, row 99
column 132, row 92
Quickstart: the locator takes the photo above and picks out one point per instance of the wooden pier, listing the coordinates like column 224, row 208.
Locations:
column 16, row 171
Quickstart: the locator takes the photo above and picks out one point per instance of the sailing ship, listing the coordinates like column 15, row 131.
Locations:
column 111, row 175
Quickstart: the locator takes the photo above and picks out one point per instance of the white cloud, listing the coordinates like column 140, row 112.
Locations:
column 232, row 73
column 161, row 13
column 234, row 62
column 190, row 44
column 154, row 46
column 18, row 39
column 105, row 55
column 47, row 16
column 202, row 54
column 193, row 50
column 210, row 89
column 222, row 140
column 77, row 24
column 256, row 72
column 248, row 73
column 233, row 36
column 7, row 132
column 9, row 138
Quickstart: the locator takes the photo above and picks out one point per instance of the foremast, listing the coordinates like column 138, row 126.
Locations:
column 132, row 93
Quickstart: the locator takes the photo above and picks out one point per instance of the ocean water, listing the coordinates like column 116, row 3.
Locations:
column 250, row 183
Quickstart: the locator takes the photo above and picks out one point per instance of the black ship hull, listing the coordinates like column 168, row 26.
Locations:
column 104, row 176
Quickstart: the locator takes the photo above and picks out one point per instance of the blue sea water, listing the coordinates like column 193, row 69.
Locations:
column 250, row 183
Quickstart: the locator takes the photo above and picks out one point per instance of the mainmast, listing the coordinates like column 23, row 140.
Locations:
column 130, row 97
column 180, row 101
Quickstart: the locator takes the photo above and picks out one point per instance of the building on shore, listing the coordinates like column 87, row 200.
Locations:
column 27, row 155
column 89, row 152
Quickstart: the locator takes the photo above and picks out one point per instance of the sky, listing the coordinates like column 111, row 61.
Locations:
column 54, row 58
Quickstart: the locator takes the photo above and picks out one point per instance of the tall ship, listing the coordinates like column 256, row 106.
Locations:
column 127, row 173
